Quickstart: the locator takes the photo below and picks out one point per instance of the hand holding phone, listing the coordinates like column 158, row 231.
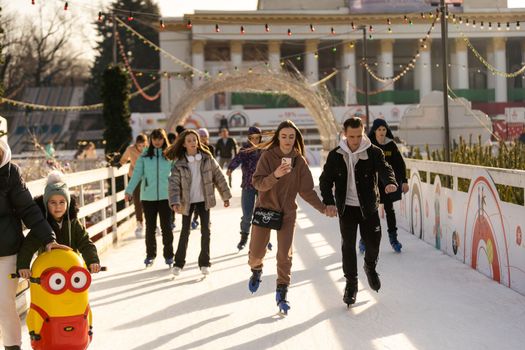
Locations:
column 284, row 168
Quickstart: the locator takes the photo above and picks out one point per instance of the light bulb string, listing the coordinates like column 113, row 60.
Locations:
column 132, row 75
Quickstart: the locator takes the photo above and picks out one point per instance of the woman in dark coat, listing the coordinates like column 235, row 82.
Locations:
column 16, row 206
column 381, row 136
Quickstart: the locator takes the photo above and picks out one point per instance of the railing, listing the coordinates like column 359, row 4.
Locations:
column 457, row 209
column 100, row 195
column 97, row 195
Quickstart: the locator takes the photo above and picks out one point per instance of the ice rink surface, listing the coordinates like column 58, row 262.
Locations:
column 427, row 301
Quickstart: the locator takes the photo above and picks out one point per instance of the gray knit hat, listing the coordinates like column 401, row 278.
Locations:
column 56, row 185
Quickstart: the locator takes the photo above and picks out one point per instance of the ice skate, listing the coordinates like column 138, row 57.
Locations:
column 194, row 224
column 362, row 247
column 149, row 262
column 350, row 292
column 280, row 298
column 243, row 241
column 396, row 245
column 373, row 277
column 139, row 231
column 255, row 280
column 176, row 271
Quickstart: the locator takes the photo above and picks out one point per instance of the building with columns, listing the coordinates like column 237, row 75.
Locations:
column 316, row 37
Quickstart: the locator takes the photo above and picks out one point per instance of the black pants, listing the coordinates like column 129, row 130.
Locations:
column 370, row 229
column 151, row 209
column 390, row 218
column 204, row 257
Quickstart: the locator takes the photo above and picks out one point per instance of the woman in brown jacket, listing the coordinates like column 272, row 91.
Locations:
column 281, row 174
column 192, row 182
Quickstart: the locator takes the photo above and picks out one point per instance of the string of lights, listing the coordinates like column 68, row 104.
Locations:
column 130, row 71
column 411, row 64
column 489, row 66
column 40, row 107
column 157, row 48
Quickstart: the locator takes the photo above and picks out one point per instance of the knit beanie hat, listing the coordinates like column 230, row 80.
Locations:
column 203, row 132
column 254, row 130
column 56, row 185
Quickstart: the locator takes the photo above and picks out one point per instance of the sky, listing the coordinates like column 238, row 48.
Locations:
column 516, row 3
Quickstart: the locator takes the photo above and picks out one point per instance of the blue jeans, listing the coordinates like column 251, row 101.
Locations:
column 247, row 204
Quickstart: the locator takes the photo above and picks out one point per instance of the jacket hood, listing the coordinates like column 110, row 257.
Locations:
column 372, row 134
column 365, row 144
column 6, row 150
column 73, row 210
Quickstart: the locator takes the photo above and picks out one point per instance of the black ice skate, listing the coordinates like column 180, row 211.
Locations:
column 243, row 241
column 373, row 277
column 350, row 292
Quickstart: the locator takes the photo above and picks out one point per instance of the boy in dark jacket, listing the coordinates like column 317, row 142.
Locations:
column 354, row 167
column 381, row 136
column 16, row 206
column 61, row 212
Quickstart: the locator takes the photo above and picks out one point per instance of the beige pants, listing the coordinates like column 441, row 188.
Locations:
column 259, row 239
column 9, row 320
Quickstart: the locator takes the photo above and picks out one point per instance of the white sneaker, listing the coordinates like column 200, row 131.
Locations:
column 205, row 270
column 139, row 230
column 176, row 271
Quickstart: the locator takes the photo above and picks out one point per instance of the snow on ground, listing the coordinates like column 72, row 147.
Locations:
column 427, row 300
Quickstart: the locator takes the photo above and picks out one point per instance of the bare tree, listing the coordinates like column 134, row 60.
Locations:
column 41, row 53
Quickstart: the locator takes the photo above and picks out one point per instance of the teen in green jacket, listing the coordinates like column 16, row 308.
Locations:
column 152, row 170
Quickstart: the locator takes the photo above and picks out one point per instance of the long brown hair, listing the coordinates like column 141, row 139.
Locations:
column 274, row 141
column 177, row 150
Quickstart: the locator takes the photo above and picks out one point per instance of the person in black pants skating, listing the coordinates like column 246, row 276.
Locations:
column 381, row 136
column 353, row 168
column 225, row 149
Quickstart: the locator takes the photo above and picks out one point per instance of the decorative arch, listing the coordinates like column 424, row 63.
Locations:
column 314, row 98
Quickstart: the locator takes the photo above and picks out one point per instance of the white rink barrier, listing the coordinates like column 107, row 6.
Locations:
column 97, row 201
column 96, row 198
column 475, row 227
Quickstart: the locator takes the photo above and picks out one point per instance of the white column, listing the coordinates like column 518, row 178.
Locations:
column 386, row 62
column 459, row 69
column 423, row 71
column 491, row 78
column 311, row 67
column 197, row 60
column 236, row 54
column 274, row 55
column 349, row 74
column 500, row 62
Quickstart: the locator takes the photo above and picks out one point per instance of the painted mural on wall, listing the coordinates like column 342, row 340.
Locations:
column 475, row 227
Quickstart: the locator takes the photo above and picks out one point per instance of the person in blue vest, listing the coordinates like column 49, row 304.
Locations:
column 152, row 170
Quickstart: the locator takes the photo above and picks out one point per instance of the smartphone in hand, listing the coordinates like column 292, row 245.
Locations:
column 286, row 160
